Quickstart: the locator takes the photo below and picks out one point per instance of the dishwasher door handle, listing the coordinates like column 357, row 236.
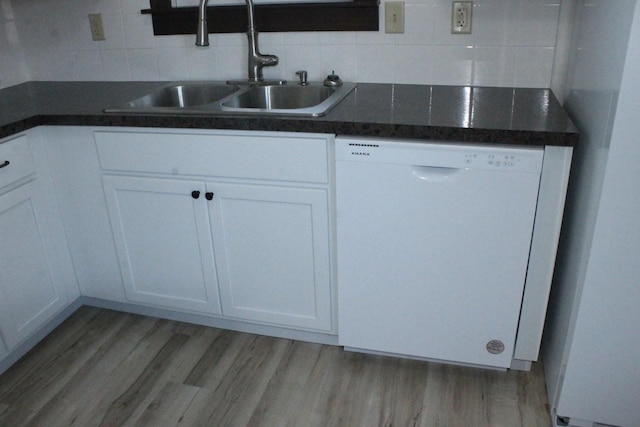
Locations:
column 434, row 173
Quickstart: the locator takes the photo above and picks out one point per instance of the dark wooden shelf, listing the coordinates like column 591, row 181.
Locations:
column 358, row 15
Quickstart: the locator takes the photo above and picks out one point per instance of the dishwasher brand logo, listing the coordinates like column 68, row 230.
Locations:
column 495, row 346
column 362, row 153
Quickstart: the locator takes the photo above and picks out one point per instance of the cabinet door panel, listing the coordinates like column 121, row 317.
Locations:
column 29, row 293
column 272, row 254
column 163, row 242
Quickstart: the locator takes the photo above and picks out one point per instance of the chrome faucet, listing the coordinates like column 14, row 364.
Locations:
column 255, row 60
column 202, row 35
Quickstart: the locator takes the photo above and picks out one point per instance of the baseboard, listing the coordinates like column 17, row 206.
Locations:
column 24, row 347
column 214, row 322
column 520, row 365
column 422, row 359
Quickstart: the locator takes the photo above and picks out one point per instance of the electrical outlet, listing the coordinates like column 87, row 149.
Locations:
column 461, row 13
column 394, row 17
column 97, row 30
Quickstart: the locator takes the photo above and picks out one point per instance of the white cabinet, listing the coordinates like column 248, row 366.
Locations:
column 272, row 253
column 36, row 277
column 163, row 242
column 30, row 295
column 73, row 158
column 235, row 224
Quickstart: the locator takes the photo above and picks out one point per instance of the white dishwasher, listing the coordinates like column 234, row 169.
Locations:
column 433, row 244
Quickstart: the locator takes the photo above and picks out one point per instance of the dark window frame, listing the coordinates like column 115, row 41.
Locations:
column 356, row 15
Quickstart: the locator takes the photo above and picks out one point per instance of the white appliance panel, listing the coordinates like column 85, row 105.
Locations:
column 433, row 244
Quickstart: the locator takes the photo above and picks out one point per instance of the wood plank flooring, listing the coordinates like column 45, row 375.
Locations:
column 102, row 367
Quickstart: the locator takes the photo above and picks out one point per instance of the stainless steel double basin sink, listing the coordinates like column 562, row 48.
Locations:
column 208, row 98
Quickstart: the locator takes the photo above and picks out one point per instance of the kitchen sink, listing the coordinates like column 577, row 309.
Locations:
column 183, row 95
column 312, row 100
column 216, row 98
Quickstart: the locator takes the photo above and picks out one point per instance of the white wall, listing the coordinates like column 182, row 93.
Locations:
column 562, row 48
column 603, row 367
column 590, row 263
column 13, row 66
column 512, row 45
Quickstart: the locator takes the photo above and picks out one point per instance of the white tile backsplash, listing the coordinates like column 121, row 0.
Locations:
column 115, row 64
column 172, row 63
column 341, row 57
column 417, row 64
column 453, row 65
column 88, row 63
column 512, row 43
column 533, row 66
column 494, row 66
column 143, row 64
column 374, row 63
column 297, row 57
column 114, row 32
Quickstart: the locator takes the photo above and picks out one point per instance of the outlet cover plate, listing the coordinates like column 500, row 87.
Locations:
column 97, row 29
column 461, row 14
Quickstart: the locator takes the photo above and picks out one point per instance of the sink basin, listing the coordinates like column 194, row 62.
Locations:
column 312, row 100
column 179, row 96
column 280, row 97
column 216, row 98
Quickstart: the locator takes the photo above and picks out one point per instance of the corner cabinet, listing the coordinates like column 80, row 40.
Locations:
column 36, row 273
column 234, row 224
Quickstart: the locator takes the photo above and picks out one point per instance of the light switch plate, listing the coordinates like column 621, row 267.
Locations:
column 394, row 17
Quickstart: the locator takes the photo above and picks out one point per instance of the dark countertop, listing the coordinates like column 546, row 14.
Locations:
column 444, row 113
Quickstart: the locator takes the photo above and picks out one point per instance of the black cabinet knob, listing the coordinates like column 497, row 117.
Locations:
column 209, row 195
column 195, row 194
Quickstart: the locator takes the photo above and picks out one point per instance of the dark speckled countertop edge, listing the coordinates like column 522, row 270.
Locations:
column 530, row 117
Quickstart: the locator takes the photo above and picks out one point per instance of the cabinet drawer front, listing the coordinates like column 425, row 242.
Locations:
column 273, row 157
column 16, row 160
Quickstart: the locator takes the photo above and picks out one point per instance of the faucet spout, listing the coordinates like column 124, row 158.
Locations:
column 202, row 36
column 256, row 60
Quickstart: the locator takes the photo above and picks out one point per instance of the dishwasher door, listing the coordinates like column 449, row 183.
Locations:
column 433, row 244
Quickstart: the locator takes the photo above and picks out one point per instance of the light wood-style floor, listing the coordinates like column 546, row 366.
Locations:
column 101, row 367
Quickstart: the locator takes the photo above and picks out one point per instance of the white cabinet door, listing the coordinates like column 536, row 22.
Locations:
column 30, row 295
column 75, row 173
column 272, row 254
column 163, row 242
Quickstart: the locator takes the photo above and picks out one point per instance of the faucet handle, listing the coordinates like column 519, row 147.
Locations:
column 302, row 74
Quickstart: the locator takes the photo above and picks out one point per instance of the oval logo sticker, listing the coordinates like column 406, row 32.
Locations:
column 495, row 346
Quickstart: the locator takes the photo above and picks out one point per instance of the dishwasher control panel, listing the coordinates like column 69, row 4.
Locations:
column 506, row 161
column 440, row 154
